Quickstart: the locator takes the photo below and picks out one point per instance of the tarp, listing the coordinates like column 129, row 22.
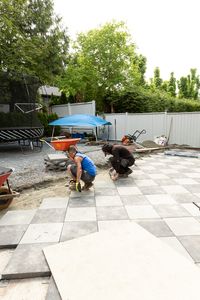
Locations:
column 80, row 121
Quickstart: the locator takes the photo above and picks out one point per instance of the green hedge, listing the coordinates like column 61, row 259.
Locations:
column 45, row 119
column 140, row 100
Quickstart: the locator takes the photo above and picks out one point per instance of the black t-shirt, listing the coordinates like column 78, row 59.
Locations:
column 120, row 152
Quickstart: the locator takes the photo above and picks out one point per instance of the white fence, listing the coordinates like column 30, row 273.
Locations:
column 181, row 128
column 74, row 108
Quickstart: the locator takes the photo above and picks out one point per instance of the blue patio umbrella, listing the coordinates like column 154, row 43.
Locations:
column 80, row 120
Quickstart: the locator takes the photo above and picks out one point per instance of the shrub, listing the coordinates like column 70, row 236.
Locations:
column 45, row 120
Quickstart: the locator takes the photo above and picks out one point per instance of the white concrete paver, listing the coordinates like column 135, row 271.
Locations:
column 115, row 264
column 81, row 214
column 183, row 226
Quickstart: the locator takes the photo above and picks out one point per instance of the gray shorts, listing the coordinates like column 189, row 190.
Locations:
column 86, row 177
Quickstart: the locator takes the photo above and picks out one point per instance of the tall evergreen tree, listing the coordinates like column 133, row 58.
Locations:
column 156, row 81
column 189, row 86
column 171, row 88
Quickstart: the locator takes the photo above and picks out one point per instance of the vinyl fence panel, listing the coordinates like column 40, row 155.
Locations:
column 180, row 128
column 74, row 108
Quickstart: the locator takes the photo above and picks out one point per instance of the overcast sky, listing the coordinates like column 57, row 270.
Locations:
column 167, row 32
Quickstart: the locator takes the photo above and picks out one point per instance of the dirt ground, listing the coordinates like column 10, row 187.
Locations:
column 32, row 198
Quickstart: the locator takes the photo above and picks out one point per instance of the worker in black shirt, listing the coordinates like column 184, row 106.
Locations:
column 121, row 160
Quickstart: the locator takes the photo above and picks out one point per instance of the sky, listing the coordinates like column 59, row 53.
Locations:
column 166, row 32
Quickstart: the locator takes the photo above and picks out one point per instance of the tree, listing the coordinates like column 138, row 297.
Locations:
column 189, row 86
column 156, row 81
column 104, row 61
column 32, row 40
column 171, row 87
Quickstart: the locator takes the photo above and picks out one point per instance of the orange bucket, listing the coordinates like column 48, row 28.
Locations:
column 63, row 145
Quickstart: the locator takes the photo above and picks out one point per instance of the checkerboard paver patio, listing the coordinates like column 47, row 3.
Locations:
column 158, row 195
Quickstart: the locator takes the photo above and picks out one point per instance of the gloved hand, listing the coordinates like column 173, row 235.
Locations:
column 78, row 187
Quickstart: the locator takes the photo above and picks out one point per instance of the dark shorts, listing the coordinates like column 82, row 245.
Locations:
column 86, row 177
column 122, row 166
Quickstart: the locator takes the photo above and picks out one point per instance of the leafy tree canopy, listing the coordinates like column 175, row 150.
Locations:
column 103, row 61
column 32, row 39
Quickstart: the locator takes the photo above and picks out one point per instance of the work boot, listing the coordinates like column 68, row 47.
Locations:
column 129, row 171
column 87, row 186
column 72, row 185
column 125, row 175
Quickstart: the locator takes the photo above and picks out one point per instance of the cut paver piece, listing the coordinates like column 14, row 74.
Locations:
column 27, row 261
column 116, row 264
column 11, row 235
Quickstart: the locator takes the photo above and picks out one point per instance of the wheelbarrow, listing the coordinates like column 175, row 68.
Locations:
column 6, row 194
column 63, row 145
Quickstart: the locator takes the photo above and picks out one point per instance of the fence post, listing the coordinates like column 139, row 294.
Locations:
column 93, row 107
column 165, row 124
column 126, row 122
column 69, row 109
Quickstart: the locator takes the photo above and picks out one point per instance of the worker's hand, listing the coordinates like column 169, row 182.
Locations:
column 78, row 187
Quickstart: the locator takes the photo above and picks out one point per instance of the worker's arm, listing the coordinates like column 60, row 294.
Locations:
column 79, row 168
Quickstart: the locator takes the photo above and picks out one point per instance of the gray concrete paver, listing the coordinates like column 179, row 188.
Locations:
column 72, row 230
column 157, row 227
column 27, row 261
column 10, row 235
column 51, row 215
column 192, row 245
column 82, row 201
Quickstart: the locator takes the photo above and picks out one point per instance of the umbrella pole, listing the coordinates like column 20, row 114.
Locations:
column 52, row 133
column 95, row 133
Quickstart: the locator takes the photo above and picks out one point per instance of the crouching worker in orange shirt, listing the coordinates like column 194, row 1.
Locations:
column 82, row 168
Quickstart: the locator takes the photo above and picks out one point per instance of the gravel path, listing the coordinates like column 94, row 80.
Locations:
column 30, row 168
